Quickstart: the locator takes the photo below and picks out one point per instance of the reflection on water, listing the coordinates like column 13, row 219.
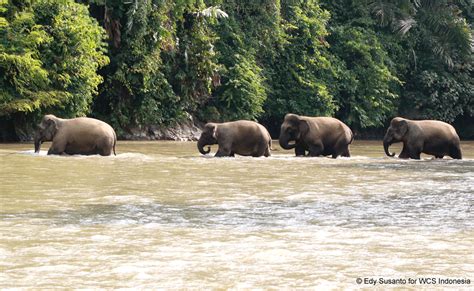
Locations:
column 158, row 215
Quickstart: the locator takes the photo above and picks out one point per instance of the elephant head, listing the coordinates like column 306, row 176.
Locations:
column 208, row 137
column 294, row 129
column 45, row 131
column 395, row 133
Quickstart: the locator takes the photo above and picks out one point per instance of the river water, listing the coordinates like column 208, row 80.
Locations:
column 159, row 215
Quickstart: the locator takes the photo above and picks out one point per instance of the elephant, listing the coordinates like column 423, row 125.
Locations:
column 85, row 136
column 242, row 137
column 320, row 136
column 432, row 137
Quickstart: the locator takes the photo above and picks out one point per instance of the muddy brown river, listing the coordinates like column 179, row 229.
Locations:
column 159, row 215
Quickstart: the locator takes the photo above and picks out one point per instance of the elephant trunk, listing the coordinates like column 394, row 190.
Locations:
column 38, row 142
column 386, row 144
column 284, row 143
column 201, row 145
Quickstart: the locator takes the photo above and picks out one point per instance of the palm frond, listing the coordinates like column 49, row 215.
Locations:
column 447, row 31
column 212, row 12
column 404, row 25
column 383, row 10
column 443, row 52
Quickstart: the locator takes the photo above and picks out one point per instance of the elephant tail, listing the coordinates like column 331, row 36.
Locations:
column 352, row 137
column 115, row 142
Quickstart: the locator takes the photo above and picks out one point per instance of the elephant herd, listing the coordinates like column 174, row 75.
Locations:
column 308, row 136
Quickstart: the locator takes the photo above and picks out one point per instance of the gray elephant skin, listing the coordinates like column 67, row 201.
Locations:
column 84, row 136
column 432, row 137
column 242, row 137
column 320, row 136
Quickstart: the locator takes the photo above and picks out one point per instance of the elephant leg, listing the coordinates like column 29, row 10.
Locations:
column 300, row 150
column 414, row 154
column 316, row 150
column 258, row 153
column 342, row 149
column 346, row 152
column 416, row 149
column 57, row 148
column 104, row 150
column 223, row 152
column 455, row 152
column 409, row 153
column 267, row 152
column 404, row 154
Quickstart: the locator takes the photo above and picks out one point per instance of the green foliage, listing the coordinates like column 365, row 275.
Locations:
column 437, row 75
column 433, row 93
column 240, row 90
column 162, row 61
column 361, row 61
column 299, row 73
column 196, row 59
column 134, row 87
column 365, row 84
column 242, row 93
column 49, row 55
column 445, row 29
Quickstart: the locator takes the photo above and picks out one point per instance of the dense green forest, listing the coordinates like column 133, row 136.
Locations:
column 135, row 63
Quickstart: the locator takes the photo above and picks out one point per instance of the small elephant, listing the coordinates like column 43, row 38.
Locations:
column 431, row 137
column 320, row 136
column 84, row 136
column 242, row 137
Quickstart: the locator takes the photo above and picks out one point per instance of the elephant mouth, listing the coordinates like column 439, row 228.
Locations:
column 287, row 144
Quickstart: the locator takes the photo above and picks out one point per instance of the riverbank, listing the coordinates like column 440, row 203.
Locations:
column 187, row 130
column 190, row 129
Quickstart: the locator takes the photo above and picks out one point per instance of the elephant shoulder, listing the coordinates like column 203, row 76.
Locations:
column 313, row 120
column 329, row 123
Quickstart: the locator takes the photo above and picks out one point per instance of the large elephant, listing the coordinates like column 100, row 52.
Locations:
column 84, row 136
column 320, row 136
column 431, row 137
column 242, row 137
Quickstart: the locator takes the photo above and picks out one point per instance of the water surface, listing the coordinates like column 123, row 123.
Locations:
column 159, row 215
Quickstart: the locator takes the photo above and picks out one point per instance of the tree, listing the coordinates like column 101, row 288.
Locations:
column 163, row 61
column 299, row 72
column 240, row 90
column 365, row 85
column 49, row 54
column 438, row 38
column 136, row 90
column 443, row 26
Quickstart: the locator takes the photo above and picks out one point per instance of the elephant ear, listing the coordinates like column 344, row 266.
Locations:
column 52, row 125
column 303, row 127
column 214, row 132
column 209, row 128
column 403, row 126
